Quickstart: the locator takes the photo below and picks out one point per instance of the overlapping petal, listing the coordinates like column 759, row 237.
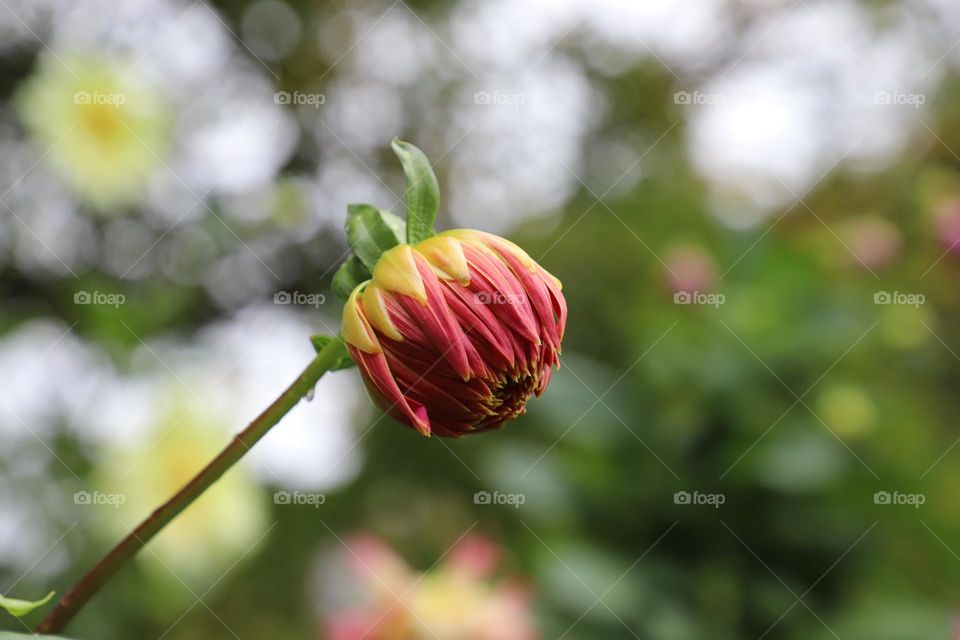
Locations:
column 454, row 334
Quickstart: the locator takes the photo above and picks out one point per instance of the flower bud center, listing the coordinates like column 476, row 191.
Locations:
column 511, row 394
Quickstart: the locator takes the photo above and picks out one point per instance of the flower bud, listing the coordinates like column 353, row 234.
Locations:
column 453, row 335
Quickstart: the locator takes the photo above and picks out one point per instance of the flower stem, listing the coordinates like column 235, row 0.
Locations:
column 78, row 595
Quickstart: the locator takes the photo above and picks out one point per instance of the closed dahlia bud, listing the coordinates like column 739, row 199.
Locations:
column 454, row 334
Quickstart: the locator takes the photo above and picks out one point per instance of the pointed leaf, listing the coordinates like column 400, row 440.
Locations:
column 348, row 276
column 321, row 342
column 396, row 224
column 369, row 233
column 421, row 194
column 20, row 608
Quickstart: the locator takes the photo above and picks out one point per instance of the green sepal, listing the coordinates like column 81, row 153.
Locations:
column 321, row 342
column 348, row 276
column 371, row 231
column 421, row 193
column 20, row 608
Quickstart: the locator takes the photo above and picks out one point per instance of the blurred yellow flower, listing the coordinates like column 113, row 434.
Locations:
column 848, row 410
column 221, row 526
column 103, row 129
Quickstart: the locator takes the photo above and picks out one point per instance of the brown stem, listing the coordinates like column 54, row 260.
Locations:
column 78, row 595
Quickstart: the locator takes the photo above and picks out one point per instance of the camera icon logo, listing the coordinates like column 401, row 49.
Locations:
column 482, row 497
column 682, row 97
column 681, row 497
column 482, row 97
column 282, row 497
column 82, row 97
column 682, row 297
column 281, row 97
column 882, row 297
column 882, row 97
column 282, row 297
column 82, row 497
column 881, row 497
column 82, row 297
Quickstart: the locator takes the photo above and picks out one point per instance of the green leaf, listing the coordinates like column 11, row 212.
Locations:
column 20, row 608
column 321, row 342
column 396, row 224
column 348, row 276
column 421, row 194
column 371, row 231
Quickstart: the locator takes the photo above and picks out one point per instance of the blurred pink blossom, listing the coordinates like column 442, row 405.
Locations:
column 457, row 600
column 872, row 241
column 689, row 268
column 947, row 223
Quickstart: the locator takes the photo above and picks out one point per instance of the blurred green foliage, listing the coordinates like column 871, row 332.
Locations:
column 797, row 399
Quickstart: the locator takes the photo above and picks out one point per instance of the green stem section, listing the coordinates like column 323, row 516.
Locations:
column 78, row 595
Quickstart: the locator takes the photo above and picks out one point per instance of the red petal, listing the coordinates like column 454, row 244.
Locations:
column 501, row 290
column 539, row 295
column 386, row 394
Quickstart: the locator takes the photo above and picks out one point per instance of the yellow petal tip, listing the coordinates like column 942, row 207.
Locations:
column 375, row 307
column 397, row 271
column 356, row 330
column 445, row 255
